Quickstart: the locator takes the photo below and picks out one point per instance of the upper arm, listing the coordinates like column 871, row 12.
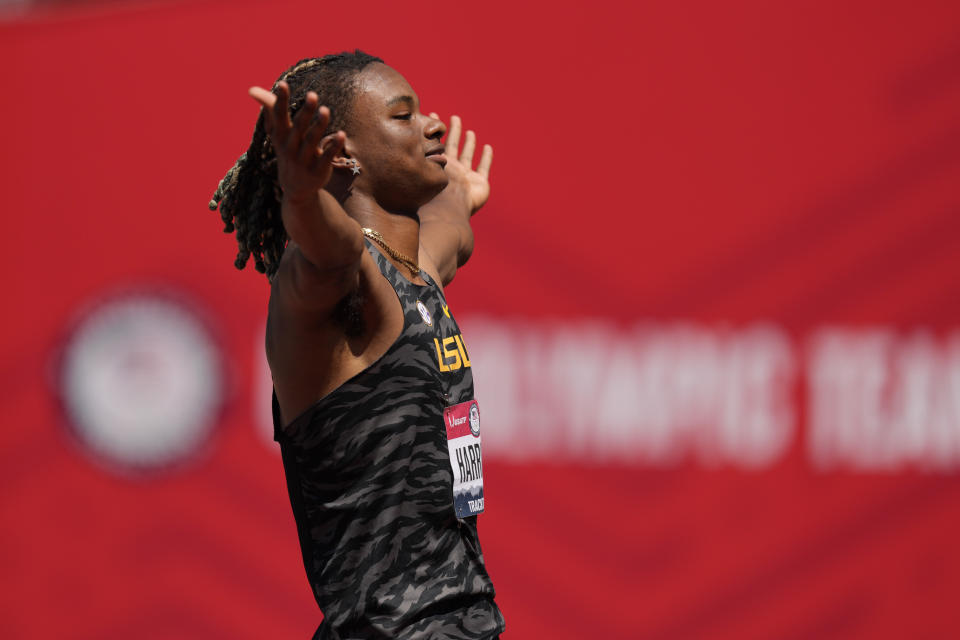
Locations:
column 322, row 260
column 322, row 231
column 446, row 244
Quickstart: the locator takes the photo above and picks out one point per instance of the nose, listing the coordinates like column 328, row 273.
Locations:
column 435, row 128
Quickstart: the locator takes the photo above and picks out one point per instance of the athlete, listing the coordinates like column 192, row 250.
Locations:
column 359, row 213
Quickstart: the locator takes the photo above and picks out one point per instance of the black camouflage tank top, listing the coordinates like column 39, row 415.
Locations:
column 370, row 482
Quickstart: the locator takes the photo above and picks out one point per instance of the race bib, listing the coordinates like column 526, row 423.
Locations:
column 463, row 442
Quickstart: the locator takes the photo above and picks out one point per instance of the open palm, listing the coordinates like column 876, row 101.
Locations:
column 474, row 184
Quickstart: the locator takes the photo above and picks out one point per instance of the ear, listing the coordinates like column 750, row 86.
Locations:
column 343, row 159
column 341, row 162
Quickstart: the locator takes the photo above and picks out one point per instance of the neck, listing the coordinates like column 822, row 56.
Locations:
column 400, row 230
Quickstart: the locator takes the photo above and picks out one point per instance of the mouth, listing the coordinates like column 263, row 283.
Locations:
column 436, row 154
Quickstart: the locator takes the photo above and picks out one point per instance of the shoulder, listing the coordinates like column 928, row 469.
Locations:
column 312, row 293
column 301, row 294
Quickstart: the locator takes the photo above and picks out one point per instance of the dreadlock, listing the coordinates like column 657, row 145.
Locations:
column 249, row 195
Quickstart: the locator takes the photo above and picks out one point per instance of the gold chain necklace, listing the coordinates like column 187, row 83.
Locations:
column 396, row 255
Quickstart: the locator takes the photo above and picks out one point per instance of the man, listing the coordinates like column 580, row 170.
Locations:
column 359, row 215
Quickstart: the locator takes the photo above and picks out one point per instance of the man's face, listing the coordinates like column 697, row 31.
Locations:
column 399, row 149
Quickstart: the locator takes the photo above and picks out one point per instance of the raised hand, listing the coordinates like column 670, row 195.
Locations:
column 304, row 155
column 473, row 183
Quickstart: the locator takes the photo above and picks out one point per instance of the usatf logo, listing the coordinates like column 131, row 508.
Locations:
column 475, row 419
column 424, row 313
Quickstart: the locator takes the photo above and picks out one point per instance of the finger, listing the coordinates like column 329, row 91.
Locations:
column 266, row 100
column 453, row 137
column 486, row 159
column 262, row 96
column 311, row 139
column 281, row 113
column 433, row 114
column 469, row 144
column 301, row 121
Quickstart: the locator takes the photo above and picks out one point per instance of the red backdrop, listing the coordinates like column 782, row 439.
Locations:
column 713, row 312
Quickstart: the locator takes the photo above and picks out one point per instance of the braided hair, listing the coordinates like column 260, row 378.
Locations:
column 249, row 195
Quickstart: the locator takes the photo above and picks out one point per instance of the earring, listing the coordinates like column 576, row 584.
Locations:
column 355, row 167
